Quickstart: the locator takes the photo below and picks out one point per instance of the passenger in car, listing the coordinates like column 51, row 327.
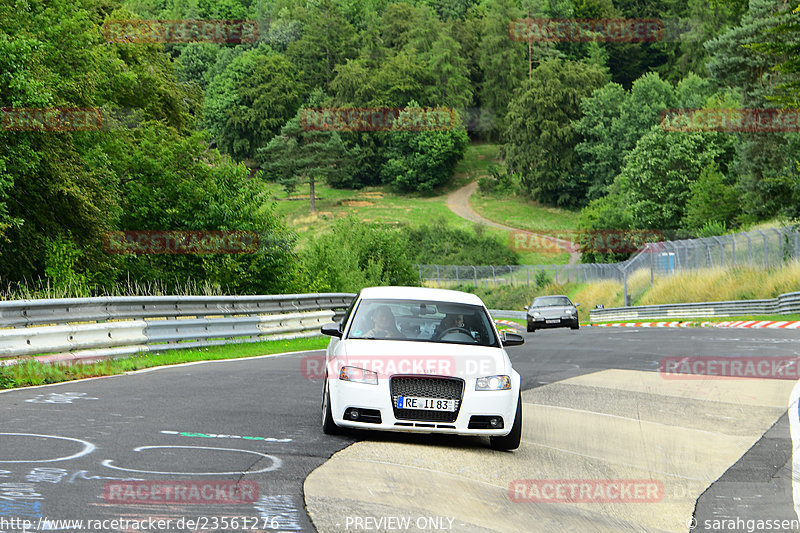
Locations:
column 384, row 324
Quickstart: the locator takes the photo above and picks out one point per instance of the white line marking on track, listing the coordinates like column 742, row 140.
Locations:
column 276, row 462
column 88, row 448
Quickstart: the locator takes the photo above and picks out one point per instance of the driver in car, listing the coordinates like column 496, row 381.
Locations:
column 448, row 322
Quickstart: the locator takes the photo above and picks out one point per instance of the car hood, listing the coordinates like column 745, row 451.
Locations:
column 424, row 358
column 551, row 311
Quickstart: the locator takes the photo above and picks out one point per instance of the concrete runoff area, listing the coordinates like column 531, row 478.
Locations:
column 607, row 425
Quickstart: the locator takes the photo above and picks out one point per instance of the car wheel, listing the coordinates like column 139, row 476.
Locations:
column 512, row 440
column 329, row 427
column 530, row 328
column 576, row 326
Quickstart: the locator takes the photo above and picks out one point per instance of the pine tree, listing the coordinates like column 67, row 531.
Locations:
column 502, row 60
column 764, row 162
column 451, row 78
column 300, row 155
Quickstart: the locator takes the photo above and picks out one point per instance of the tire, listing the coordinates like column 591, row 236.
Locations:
column 530, row 328
column 512, row 440
column 576, row 326
column 329, row 427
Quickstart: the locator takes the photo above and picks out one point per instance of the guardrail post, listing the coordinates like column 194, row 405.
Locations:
column 555, row 273
column 780, row 245
column 475, row 275
column 494, row 277
column 457, row 281
column 510, row 275
column 733, row 250
column 528, row 275
column 438, row 279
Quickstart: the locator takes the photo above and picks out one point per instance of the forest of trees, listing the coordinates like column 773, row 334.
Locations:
column 578, row 122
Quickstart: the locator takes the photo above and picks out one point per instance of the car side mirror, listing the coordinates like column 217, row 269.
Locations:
column 577, row 305
column 525, row 308
column 512, row 339
column 334, row 329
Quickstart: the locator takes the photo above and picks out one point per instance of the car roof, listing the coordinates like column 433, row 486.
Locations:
column 421, row 293
column 552, row 296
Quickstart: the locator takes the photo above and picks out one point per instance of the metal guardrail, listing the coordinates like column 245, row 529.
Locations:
column 93, row 329
column 506, row 313
column 782, row 305
column 90, row 329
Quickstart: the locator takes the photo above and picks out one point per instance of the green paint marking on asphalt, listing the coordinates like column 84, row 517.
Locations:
column 215, row 436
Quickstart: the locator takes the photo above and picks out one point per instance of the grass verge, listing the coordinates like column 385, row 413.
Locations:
column 715, row 319
column 31, row 373
column 523, row 213
column 717, row 284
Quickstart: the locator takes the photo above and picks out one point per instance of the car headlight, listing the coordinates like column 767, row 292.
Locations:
column 493, row 383
column 537, row 314
column 570, row 311
column 358, row 375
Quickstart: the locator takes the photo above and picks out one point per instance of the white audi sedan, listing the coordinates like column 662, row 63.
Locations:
column 421, row 360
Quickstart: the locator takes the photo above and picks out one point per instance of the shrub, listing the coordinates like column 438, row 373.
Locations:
column 712, row 228
column 422, row 160
column 486, row 184
column 542, row 279
column 712, row 201
column 356, row 254
column 437, row 243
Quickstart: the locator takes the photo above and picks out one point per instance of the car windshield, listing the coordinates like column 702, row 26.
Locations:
column 417, row 320
column 551, row 301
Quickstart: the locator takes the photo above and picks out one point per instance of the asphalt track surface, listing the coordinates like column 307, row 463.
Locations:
column 63, row 448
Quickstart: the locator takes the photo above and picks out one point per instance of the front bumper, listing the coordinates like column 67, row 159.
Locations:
column 563, row 322
column 346, row 395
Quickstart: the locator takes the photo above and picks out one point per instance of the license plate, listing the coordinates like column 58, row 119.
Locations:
column 425, row 404
column 553, row 321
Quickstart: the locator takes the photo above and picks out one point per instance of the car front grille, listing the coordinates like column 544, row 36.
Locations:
column 424, row 387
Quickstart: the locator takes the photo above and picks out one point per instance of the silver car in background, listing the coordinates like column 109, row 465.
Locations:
column 555, row 311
